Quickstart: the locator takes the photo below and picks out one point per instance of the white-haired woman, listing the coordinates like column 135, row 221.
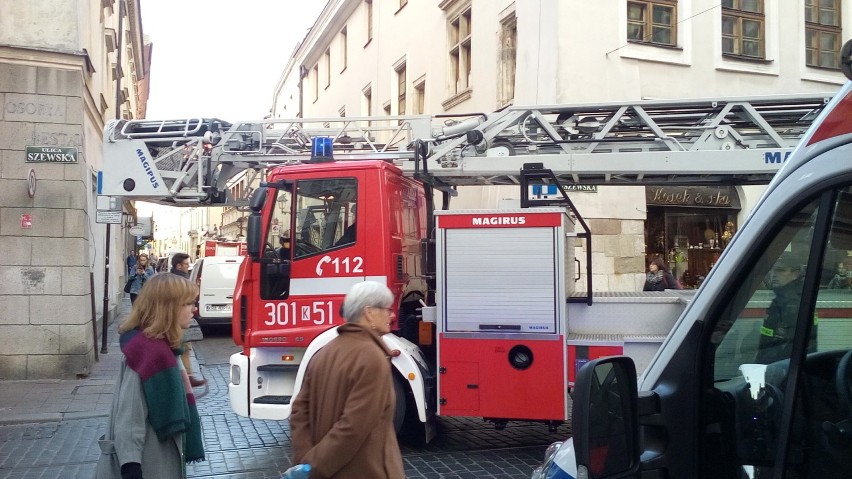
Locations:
column 342, row 419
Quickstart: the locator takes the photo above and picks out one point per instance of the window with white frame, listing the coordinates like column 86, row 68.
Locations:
column 368, row 4
column 315, row 78
column 653, row 22
column 327, row 57
column 822, row 33
column 743, row 28
column 419, row 96
column 344, row 41
column 459, row 29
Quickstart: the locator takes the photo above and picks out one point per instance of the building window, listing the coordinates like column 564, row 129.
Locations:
column 420, row 96
column 316, row 82
column 327, row 58
column 342, row 111
column 344, row 40
column 652, row 22
column 459, row 42
column 743, row 24
column 401, row 87
column 367, row 102
column 822, row 33
column 508, row 54
column 369, row 5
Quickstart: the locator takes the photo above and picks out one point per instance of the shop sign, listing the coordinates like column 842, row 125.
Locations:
column 581, row 188
column 694, row 196
column 50, row 154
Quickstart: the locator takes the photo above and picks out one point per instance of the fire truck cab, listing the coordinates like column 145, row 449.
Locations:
column 315, row 231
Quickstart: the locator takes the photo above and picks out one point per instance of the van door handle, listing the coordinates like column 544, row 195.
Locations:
column 230, row 297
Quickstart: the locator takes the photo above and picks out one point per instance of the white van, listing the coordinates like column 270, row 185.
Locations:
column 216, row 277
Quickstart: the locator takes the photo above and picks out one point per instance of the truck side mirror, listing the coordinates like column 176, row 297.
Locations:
column 258, row 199
column 254, row 236
column 605, row 422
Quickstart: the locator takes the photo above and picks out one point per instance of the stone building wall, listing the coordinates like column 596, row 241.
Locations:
column 618, row 255
column 45, row 303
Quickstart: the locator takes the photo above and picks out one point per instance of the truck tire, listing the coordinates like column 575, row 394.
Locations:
column 401, row 394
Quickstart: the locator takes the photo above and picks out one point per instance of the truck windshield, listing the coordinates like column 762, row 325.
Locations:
column 325, row 212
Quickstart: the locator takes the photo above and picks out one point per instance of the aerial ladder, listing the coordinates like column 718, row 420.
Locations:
column 730, row 141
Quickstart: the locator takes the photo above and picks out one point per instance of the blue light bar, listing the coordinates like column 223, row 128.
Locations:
column 321, row 149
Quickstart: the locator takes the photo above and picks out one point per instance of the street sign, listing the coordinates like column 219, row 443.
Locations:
column 50, row 154
column 110, row 217
column 137, row 230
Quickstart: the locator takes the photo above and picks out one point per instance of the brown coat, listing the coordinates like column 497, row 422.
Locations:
column 342, row 419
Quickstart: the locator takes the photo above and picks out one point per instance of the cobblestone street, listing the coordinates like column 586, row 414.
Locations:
column 237, row 447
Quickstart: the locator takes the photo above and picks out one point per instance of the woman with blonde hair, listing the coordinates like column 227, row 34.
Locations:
column 155, row 423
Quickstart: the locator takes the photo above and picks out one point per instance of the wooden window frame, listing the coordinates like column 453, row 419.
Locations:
column 648, row 21
column 402, row 87
column 740, row 16
column 369, row 5
column 819, row 29
column 459, row 33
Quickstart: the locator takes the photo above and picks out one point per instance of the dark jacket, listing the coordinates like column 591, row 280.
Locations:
column 179, row 273
column 668, row 282
column 342, row 418
column 779, row 327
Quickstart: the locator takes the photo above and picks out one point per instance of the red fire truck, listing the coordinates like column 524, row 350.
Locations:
column 223, row 248
column 482, row 296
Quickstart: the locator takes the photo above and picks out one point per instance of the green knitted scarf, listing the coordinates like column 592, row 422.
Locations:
column 171, row 406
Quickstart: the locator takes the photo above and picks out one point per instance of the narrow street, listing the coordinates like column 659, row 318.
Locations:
column 242, row 448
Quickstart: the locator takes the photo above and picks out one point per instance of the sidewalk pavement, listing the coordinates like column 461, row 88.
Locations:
column 55, row 400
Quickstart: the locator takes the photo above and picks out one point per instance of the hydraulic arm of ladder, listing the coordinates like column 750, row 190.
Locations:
column 703, row 141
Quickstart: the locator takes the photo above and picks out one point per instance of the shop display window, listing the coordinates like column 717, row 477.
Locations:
column 689, row 239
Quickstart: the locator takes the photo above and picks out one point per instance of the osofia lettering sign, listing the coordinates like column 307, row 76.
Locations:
column 696, row 196
column 51, row 154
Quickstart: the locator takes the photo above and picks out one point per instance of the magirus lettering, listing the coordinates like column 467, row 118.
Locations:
column 499, row 220
column 151, row 177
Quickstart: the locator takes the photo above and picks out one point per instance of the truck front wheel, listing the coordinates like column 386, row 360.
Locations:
column 401, row 394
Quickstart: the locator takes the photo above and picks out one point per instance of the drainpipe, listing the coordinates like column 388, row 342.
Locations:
column 118, row 76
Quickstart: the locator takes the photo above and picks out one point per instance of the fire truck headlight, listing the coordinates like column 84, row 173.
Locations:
column 520, row 357
column 235, row 375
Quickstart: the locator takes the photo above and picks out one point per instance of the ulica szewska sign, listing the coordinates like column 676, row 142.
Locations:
column 51, row 154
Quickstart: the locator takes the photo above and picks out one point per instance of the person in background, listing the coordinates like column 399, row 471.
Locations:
column 156, row 427
column 284, row 247
column 342, row 418
column 779, row 326
column 841, row 279
column 136, row 282
column 146, row 265
column 131, row 263
column 180, row 267
column 658, row 277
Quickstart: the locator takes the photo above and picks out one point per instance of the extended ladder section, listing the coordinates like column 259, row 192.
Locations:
column 706, row 141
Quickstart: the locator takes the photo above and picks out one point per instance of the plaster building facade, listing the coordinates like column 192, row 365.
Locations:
column 393, row 57
column 66, row 67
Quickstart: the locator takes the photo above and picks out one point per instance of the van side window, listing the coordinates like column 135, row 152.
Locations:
column 326, row 213
column 769, row 317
